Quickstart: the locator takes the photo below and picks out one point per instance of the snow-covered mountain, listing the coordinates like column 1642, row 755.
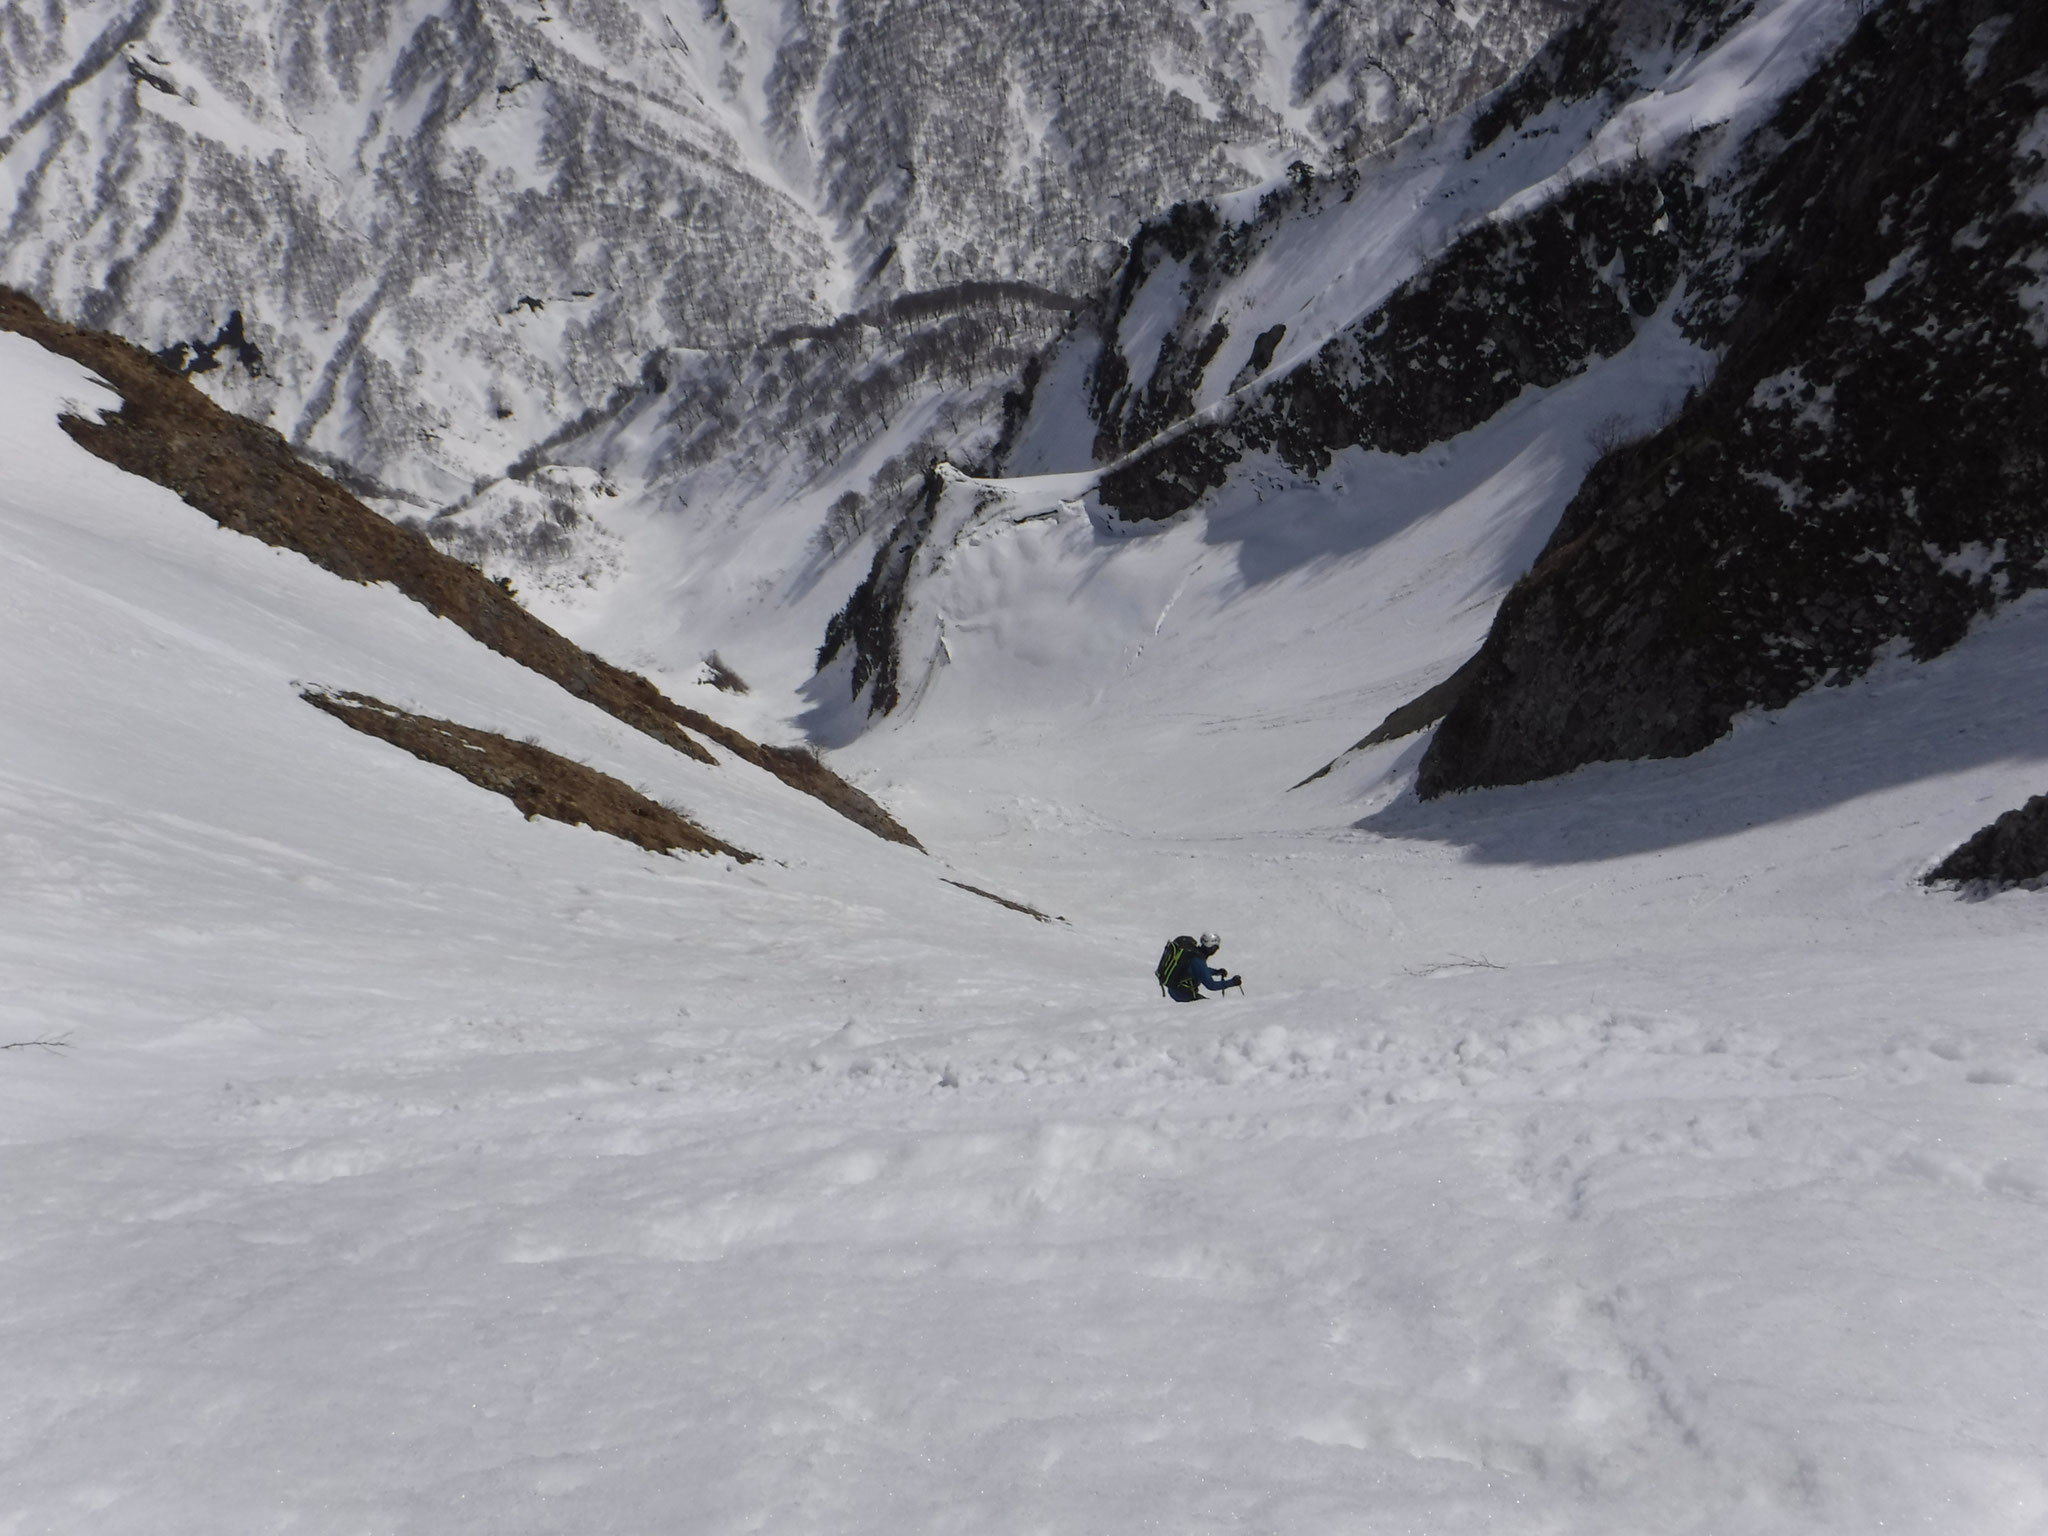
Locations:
column 1748, row 242
column 450, row 232
column 601, row 291
column 1640, row 1147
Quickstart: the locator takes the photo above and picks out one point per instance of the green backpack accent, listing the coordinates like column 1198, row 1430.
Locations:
column 1167, row 971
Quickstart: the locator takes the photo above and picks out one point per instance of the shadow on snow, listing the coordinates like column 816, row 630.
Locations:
column 1977, row 705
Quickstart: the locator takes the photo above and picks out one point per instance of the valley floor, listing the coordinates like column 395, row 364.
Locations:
column 1644, row 1151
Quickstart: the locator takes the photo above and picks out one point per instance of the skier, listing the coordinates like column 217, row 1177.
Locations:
column 1184, row 969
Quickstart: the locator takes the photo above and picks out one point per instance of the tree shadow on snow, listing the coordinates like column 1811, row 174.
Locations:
column 1980, row 704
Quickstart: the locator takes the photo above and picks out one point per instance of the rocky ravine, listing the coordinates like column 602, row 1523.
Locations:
column 1860, row 466
column 1212, row 353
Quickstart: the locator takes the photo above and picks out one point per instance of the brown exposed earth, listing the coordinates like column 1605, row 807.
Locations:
column 247, row 478
column 1003, row 901
column 539, row 782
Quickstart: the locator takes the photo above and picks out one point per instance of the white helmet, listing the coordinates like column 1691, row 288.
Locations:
column 1209, row 941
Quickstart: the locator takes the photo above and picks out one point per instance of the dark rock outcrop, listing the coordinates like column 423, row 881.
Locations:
column 1004, row 901
column 201, row 356
column 1418, row 714
column 867, row 623
column 1508, row 307
column 1264, row 346
column 2013, row 850
column 1130, row 410
column 1867, row 470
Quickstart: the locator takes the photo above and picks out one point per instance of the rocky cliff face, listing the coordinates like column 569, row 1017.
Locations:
column 1866, row 472
column 1513, row 305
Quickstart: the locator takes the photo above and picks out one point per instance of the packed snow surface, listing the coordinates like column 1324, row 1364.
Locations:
column 1642, row 1151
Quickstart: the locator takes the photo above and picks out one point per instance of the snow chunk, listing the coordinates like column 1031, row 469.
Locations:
column 1975, row 561
column 2033, row 145
column 1888, row 279
column 1982, row 41
column 1811, row 405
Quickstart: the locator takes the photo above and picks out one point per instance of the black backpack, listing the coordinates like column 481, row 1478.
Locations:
column 1171, row 958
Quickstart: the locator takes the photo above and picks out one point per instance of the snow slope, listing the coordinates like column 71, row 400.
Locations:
column 1639, row 1151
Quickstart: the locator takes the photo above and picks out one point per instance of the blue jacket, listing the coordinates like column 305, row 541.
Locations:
column 1196, row 971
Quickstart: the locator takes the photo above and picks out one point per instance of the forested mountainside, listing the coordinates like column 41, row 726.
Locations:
column 424, row 240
